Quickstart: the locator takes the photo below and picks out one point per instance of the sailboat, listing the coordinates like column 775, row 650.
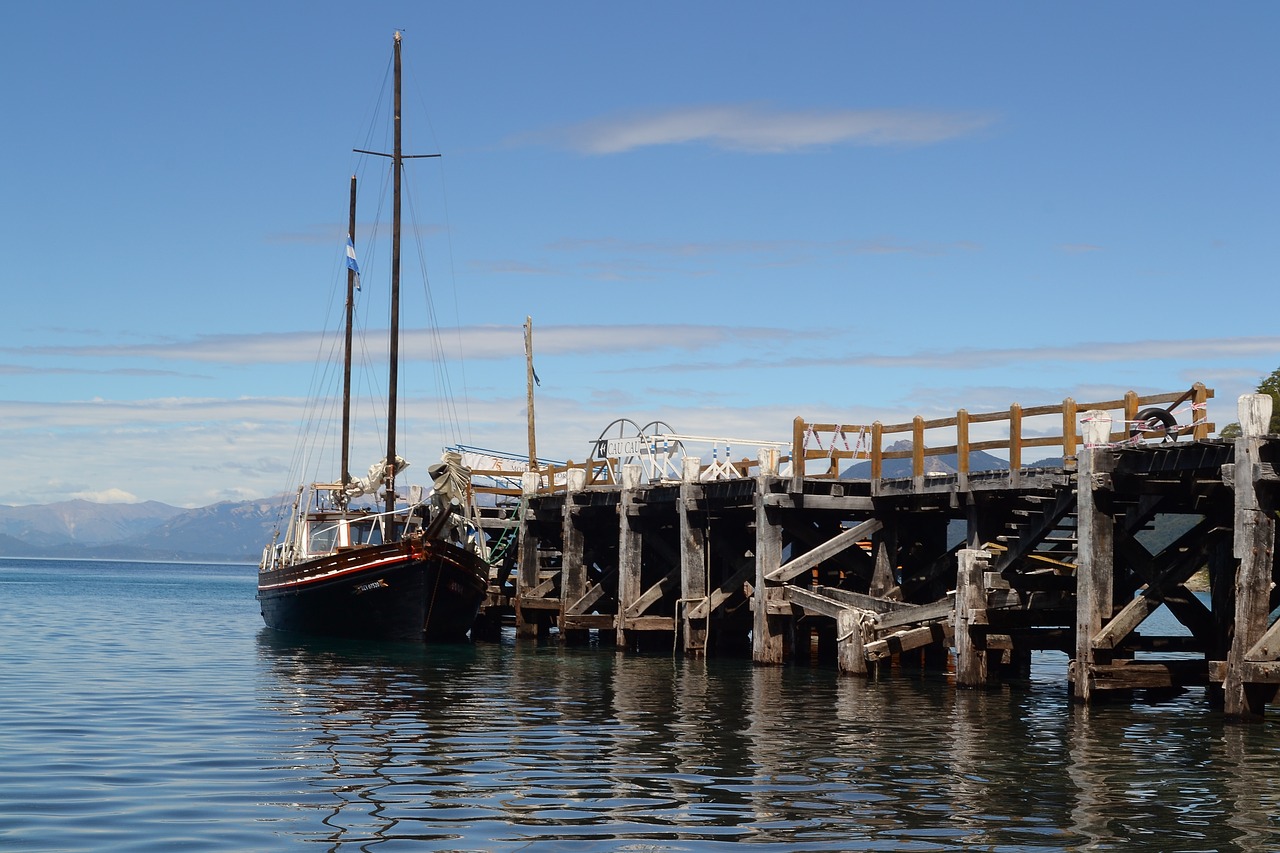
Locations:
column 404, row 570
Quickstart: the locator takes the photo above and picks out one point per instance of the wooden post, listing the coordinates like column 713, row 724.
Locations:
column 1068, row 432
column 798, row 450
column 1199, row 411
column 971, row 609
column 1255, row 540
column 851, row 654
column 877, row 458
column 962, row 450
column 573, row 567
column 884, row 546
column 767, row 640
column 629, row 547
column 1096, row 542
column 693, row 558
column 1015, row 438
column 527, row 576
column 917, row 453
column 1130, row 412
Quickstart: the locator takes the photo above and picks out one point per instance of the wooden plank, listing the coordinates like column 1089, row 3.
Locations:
column 815, row 603
column 942, row 608
column 834, row 545
column 649, row 623
column 1145, row 675
column 733, row 584
column 1124, row 622
column 850, row 503
column 538, row 603
column 905, row 641
column 1260, row 672
column 600, row 621
column 653, row 594
column 582, row 605
column 1268, row 646
column 863, row 602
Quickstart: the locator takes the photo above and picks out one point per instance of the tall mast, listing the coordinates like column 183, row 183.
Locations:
column 394, row 369
column 530, row 376
column 393, row 377
column 346, row 361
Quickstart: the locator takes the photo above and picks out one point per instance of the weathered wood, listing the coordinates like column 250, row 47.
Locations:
column 653, row 594
column 1146, row 675
column 847, row 503
column 1254, row 537
column 864, row 602
column 915, row 613
column 884, row 583
column 850, row 652
column 573, row 567
column 905, row 641
column 767, row 640
column 1267, row 648
column 1095, row 572
column 814, row 557
column 630, row 547
column 693, row 559
column 970, row 610
column 1123, row 623
column 819, row 604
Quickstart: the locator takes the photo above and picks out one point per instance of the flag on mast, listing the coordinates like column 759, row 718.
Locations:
column 351, row 260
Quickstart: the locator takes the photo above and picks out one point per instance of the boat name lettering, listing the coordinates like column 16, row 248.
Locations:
column 380, row 583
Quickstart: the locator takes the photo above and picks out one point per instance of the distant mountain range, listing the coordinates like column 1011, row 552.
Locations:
column 231, row 532
column 978, row 461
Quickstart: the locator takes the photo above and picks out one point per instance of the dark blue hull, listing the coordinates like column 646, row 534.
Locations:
column 414, row 591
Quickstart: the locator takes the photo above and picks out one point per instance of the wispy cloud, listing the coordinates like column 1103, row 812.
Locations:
column 473, row 342
column 977, row 358
column 1078, row 248
column 763, row 130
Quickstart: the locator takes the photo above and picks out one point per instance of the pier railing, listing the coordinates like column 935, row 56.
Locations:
column 1141, row 418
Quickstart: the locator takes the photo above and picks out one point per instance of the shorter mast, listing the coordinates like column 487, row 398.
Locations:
column 346, row 360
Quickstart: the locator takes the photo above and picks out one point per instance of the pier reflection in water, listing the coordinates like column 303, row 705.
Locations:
column 507, row 747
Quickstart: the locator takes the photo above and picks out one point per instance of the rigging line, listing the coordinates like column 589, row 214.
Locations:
column 419, row 89
column 448, row 418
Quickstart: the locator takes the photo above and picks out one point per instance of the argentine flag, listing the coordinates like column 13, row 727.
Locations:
column 351, row 260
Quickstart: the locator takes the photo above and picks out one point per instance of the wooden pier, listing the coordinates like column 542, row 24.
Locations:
column 792, row 555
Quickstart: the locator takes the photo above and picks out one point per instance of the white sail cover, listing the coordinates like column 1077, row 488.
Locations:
column 377, row 476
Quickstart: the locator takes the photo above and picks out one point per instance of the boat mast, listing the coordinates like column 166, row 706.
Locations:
column 393, row 378
column 393, row 370
column 346, row 361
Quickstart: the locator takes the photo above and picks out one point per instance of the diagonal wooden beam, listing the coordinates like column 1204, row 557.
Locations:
column 834, row 545
column 653, row 594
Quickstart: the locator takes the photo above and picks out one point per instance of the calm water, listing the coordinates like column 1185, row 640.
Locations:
column 144, row 708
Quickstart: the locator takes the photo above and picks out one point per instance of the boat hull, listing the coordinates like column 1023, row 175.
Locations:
column 412, row 591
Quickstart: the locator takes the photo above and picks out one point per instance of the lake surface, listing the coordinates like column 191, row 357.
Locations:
column 143, row 707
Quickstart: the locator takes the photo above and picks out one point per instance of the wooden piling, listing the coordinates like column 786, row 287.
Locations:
column 573, row 567
column 767, row 631
column 629, row 550
column 1252, row 673
column 971, row 618
column 693, row 559
column 1095, row 569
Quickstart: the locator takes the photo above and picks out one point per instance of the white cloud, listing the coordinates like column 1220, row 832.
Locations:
column 474, row 342
column 107, row 496
column 762, row 130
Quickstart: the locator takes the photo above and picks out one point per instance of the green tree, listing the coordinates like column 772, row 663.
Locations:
column 1271, row 387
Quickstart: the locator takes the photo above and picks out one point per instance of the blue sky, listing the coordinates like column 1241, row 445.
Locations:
column 720, row 215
